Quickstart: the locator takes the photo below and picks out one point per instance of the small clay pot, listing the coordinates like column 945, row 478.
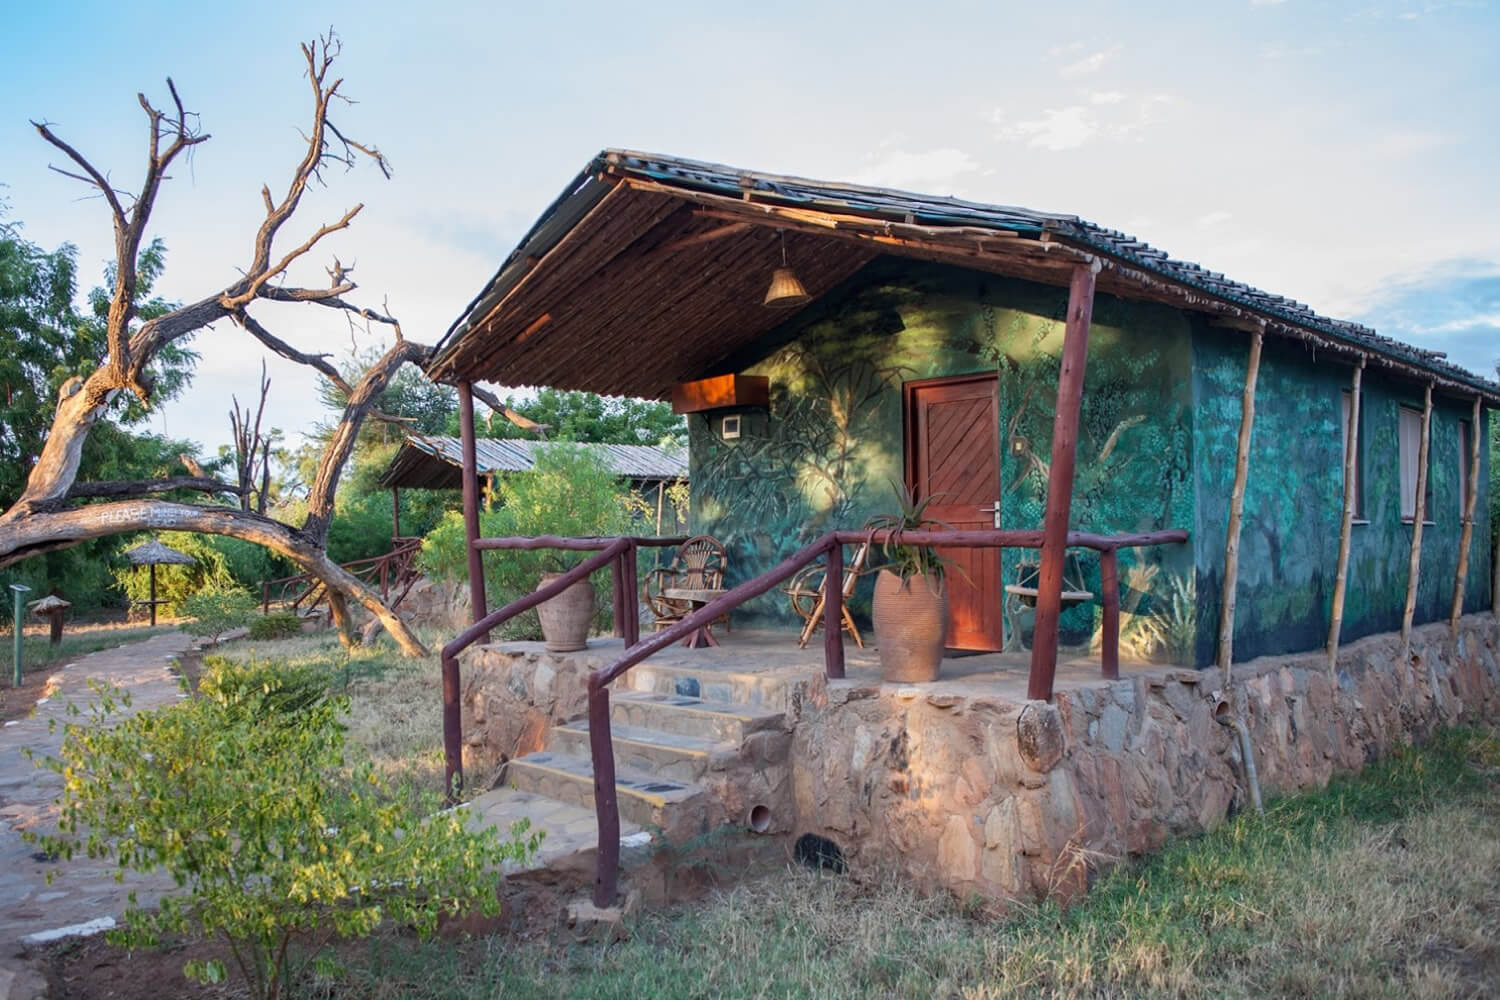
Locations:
column 566, row 618
column 911, row 620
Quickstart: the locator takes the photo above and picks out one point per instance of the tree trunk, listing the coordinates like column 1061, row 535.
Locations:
column 40, row 532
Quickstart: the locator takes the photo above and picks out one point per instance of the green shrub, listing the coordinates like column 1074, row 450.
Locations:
column 569, row 493
column 213, row 612
column 276, row 625
column 271, row 827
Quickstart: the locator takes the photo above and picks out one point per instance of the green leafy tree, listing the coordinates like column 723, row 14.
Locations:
column 568, row 492
column 273, row 828
column 588, row 418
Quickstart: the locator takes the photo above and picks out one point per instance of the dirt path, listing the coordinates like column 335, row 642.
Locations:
column 83, row 890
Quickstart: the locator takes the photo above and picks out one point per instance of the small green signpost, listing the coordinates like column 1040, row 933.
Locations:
column 20, row 590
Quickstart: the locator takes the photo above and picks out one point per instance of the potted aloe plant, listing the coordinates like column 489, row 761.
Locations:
column 910, row 612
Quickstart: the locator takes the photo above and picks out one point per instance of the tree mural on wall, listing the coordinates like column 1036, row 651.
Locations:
column 831, row 446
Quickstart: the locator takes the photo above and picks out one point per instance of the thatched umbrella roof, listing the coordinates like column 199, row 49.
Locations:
column 49, row 604
column 154, row 553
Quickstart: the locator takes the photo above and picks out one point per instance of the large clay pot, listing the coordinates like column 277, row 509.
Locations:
column 566, row 618
column 911, row 619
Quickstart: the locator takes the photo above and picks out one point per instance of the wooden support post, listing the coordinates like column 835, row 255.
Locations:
column 1466, row 537
column 632, row 596
column 151, row 571
column 606, row 806
column 833, row 612
column 617, row 593
column 471, row 503
column 395, row 512
column 1237, row 509
column 1414, row 566
column 1109, row 640
column 1341, row 576
column 661, row 502
column 1060, row 482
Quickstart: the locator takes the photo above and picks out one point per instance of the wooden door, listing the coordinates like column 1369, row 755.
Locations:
column 953, row 456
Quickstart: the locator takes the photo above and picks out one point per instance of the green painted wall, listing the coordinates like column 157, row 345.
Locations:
column 830, row 447
column 1294, row 501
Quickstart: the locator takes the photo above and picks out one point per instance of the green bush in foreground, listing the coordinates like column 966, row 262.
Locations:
column 276, row 625
column 214, row 612
column 272, row 829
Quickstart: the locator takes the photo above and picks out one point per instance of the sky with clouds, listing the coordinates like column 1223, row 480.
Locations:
column 1342, row 154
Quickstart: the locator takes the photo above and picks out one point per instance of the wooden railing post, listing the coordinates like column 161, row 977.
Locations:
column 1075, row 354
column 471, row 502
column 833, row 612
column 617, row 593
column 453, row 751
column 606, row 807
column 265, row 597
column 1109, row 640
column 632, row 596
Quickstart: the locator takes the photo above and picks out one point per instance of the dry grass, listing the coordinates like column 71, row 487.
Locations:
column 1387, row 885
column 395, row 703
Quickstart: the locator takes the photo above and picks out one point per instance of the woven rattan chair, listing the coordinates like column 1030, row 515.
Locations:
column 805, row 591
column 698, row 565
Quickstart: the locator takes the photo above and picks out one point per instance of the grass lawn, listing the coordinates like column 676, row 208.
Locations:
column 1382, row 885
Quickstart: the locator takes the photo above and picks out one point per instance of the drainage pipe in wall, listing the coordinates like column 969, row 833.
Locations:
column 1224, row 717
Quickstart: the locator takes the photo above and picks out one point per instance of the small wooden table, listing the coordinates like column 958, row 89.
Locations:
column 698, row 598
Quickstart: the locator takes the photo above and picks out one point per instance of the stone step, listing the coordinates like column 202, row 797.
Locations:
column 570, row 832
column 707, row 720
column 773, row 689
column 679, row 809
column 669, row 755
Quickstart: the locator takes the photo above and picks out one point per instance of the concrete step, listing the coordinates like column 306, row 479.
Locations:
column 707, row 720
column 678, row 808
column 669, row 755
column 772, row 689
column 571, row 833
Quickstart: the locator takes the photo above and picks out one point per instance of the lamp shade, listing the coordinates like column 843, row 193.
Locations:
column 785, row 291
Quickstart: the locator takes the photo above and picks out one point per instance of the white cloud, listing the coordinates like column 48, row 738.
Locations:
column 1057, row 129
column 1091, row 63
column 1267, row 3
column 1405, row 143
column 1215, row 218
column 935, row 168
column 1110, row 115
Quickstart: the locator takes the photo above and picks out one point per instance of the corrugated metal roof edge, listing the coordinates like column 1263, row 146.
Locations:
column 1089, row 236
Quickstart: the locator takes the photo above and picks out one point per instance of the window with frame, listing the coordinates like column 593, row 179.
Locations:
column 1409, row 440
column 1347, row 399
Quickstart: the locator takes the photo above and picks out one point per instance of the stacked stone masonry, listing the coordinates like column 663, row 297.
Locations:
column 958, row 787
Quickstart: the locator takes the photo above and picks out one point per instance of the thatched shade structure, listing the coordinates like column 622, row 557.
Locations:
column 153, row 554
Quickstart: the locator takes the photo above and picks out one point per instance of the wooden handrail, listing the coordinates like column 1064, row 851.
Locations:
column 620, row 555
column 452, row 718
column 713, row 610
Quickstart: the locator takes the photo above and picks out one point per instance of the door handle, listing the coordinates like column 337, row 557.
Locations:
column 994, row 509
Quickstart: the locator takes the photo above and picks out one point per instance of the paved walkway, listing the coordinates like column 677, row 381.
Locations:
column 83, row 890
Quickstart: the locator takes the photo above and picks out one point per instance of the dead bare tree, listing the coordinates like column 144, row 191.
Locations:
column 252, row 449
column 45, row 517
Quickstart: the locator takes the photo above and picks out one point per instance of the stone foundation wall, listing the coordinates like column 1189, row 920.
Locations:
column 977, row 794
